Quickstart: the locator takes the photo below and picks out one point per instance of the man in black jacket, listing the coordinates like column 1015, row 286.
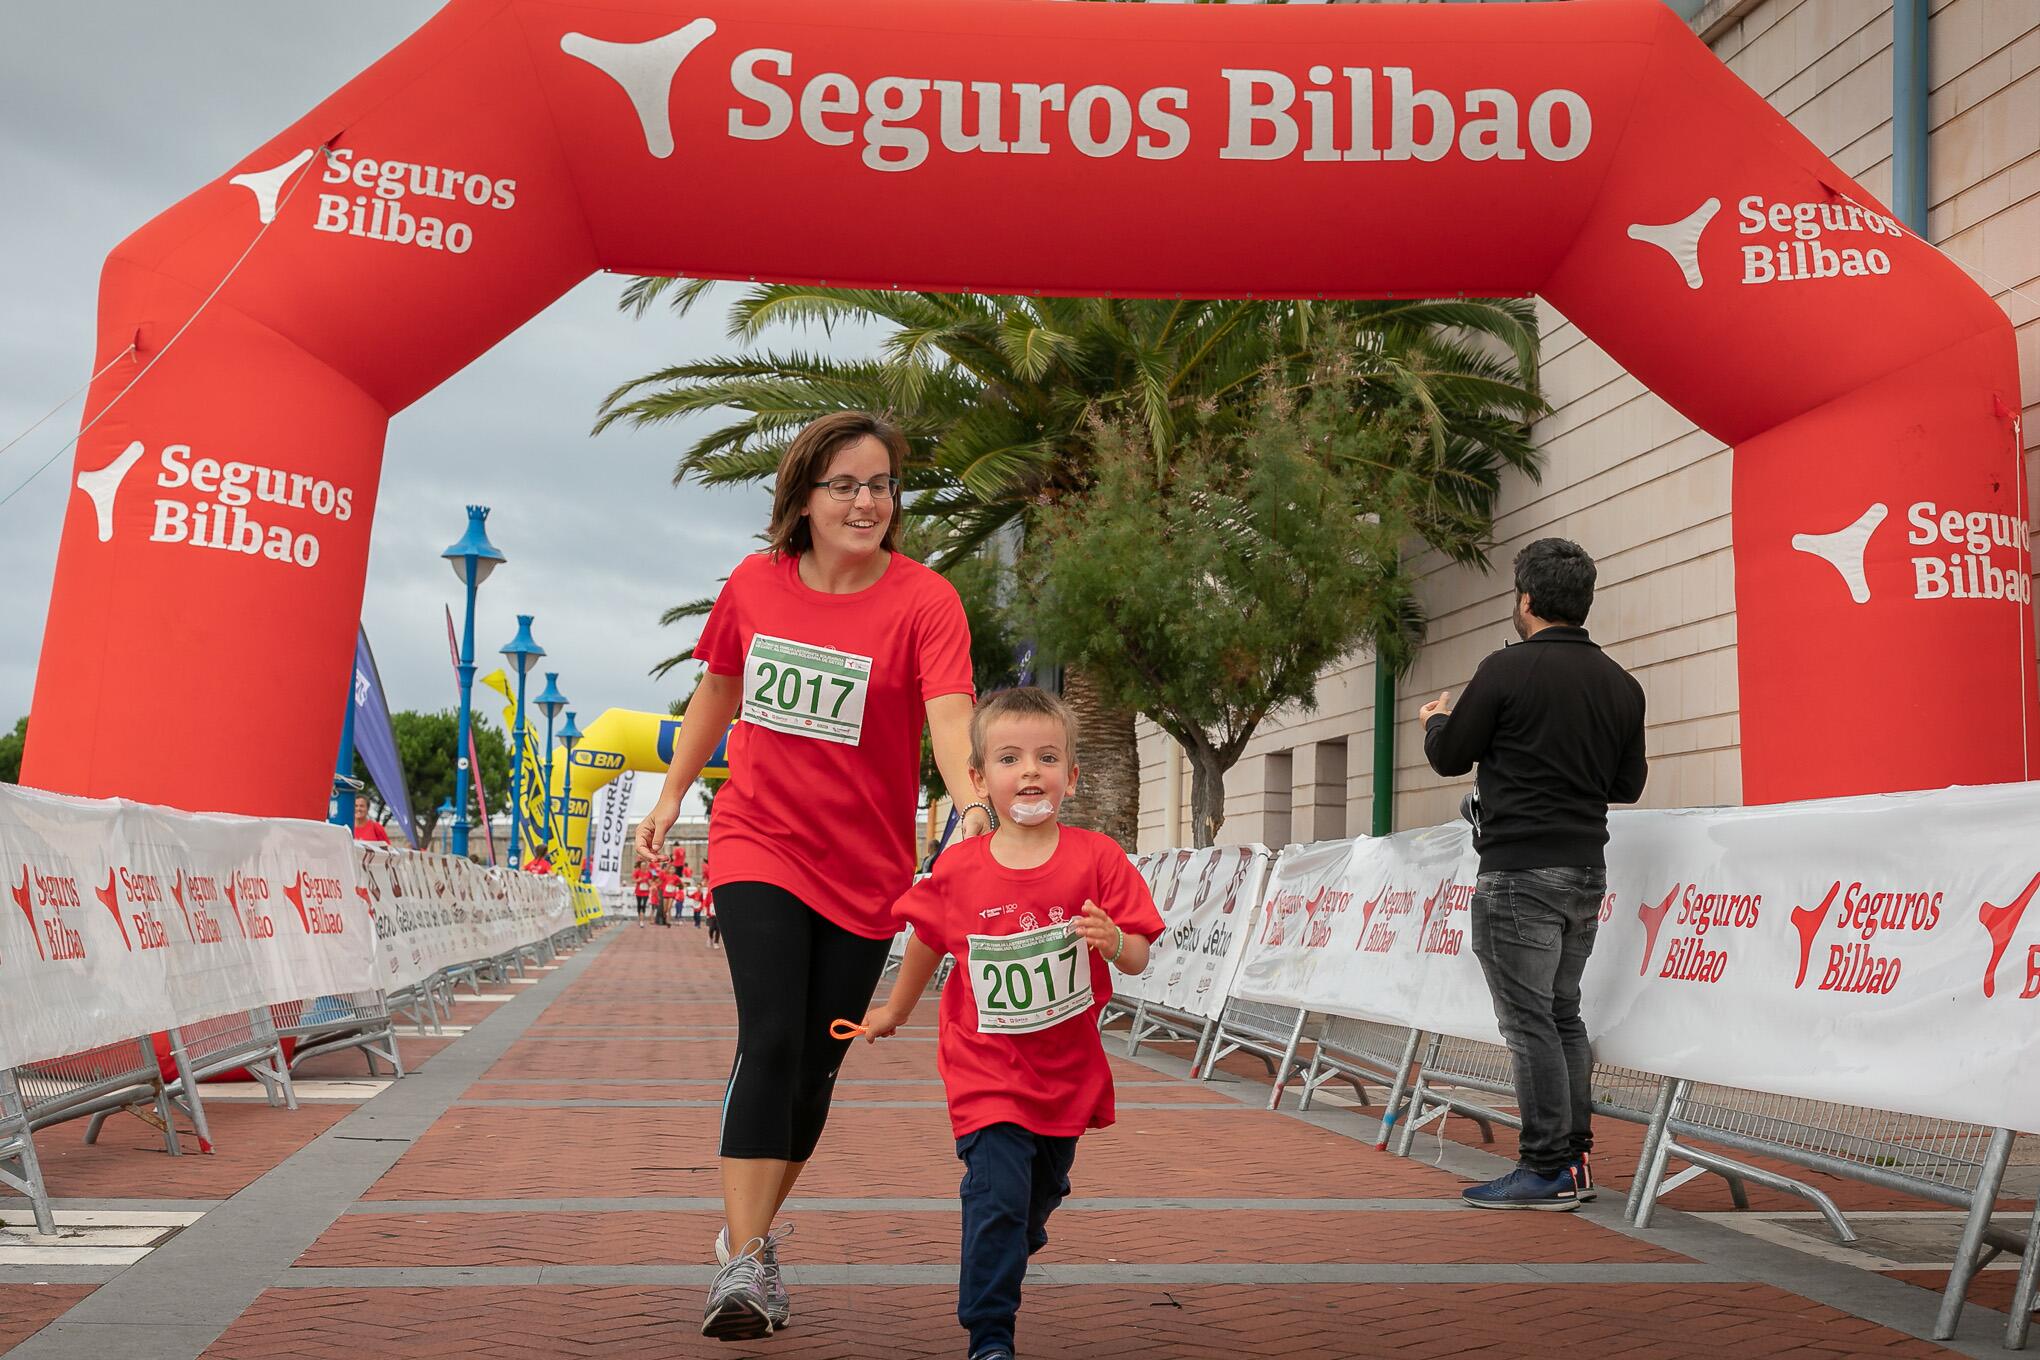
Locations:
column 1557, row 730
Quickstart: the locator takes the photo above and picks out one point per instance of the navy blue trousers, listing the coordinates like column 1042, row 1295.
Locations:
column 1012, row 1181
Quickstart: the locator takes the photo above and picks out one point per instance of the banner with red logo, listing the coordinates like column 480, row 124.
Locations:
column 1873, row 951
column 123, row 919
column 433, row 911
column 1211, row 894
column 256, row 339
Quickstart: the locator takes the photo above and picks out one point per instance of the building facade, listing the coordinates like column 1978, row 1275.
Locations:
column 1636, row 483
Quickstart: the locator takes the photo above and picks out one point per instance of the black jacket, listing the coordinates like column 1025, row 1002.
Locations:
column 1557, row 729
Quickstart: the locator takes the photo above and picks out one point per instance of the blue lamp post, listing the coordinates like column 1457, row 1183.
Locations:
column 570, row 737
column 473, row 558
column 446, row 818
column 522, row 653
column 551, row 703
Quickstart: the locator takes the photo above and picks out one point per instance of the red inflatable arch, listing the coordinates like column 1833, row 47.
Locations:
column 1592, row 152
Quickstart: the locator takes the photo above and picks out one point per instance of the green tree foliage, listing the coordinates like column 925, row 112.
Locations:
column 1001, row 399
column 425, row 747
column 1213, row 592
column 11, row 747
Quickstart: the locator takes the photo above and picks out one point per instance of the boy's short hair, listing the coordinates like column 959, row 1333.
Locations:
column 1024, row 701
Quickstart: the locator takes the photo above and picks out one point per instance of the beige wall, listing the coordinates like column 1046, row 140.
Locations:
column 1620, row 465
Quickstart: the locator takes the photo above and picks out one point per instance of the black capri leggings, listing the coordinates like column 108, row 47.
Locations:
column 793, row 971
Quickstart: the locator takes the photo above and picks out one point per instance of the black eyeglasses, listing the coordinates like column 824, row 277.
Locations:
column 846, row 488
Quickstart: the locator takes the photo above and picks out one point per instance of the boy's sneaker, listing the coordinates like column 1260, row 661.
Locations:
column 1582, row 1173
column 736, row 1308
column 778, row 1304
column 995, row 1353
column 1525, row 1189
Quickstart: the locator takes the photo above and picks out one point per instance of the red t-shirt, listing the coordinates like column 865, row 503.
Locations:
column 831, row 822
column 372, row 831
column 643, row 879
column 1054, row 1081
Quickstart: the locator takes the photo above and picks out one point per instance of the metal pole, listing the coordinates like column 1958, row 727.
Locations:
column 1909, row 88
column 467, row 694
column 551, row 835
column 517, row 775
column 341, row 810
column 1384, row 745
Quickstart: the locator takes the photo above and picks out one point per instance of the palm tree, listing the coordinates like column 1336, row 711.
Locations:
column 1002, row 400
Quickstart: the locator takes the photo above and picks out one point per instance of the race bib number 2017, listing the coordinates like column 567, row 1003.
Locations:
column 806, row 691
column 1029, row 981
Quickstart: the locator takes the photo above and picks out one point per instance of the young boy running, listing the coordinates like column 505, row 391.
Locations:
column 1033, row 913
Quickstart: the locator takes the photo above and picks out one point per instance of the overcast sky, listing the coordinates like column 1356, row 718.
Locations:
column 110, row 111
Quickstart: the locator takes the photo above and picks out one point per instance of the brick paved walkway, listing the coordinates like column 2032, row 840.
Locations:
column 546, row 1186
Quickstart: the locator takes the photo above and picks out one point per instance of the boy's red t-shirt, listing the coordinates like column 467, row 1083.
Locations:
column 1055, row 1081
column 829, row 821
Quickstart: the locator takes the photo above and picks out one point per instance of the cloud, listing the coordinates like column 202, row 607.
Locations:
column 112, row 111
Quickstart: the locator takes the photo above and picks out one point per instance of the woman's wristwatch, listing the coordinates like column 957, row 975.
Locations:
column 991, row 817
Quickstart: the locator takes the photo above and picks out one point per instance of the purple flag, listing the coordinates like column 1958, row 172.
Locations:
column 375, row 743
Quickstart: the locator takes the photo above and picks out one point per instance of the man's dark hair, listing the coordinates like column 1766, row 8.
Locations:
column 1558, row 576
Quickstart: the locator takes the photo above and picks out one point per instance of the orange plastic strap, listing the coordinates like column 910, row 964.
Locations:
column 846, row 1029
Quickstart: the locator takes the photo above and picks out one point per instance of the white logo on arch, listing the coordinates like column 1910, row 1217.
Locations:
column 1843, row 549
column 266, row 185
column 1680, row 239
column 102, row 486
column 645, row 70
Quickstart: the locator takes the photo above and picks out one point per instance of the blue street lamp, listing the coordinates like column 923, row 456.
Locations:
column 523, row 653
column 446, row 819
column 551, row 703
column 570, row 737
column 473, row 558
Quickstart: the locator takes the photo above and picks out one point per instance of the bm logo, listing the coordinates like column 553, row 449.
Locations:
column 597, row 760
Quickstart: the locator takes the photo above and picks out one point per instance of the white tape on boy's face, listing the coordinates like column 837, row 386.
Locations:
column 1031, row 814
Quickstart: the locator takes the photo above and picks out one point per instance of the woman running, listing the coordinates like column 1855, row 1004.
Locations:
column 834, row 650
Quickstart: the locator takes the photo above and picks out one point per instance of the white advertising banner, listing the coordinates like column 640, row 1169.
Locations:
column 1212, row 894
column 434, row 911
column 613, row 829
column 1872, row 951
column 124, row 919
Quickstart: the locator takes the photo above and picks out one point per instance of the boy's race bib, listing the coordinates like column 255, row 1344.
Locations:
column 1029, row 981
column 805, row 691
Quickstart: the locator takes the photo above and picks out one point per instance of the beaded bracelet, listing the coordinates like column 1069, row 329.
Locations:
column 991, row 817
column 1121, row 949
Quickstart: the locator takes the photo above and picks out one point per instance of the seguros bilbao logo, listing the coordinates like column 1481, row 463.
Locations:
column 43, row 899
column 896, row 123
column 1860, row 914
column 2001, row 923
column 1799, row 242
column 135, row 898
column 224, row 505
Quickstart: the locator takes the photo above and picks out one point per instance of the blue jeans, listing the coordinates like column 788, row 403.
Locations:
column 1012, row 1181
column 1532, row 932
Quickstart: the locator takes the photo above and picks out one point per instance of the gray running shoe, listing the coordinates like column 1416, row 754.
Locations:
column 778, row 1304
column 736, row 1308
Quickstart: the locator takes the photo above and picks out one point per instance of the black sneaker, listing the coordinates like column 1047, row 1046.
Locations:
column 1525, row 1189
column 995, row 1353
column 1582, row 1173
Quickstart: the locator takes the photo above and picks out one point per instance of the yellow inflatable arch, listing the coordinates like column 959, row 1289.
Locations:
column 621, row 739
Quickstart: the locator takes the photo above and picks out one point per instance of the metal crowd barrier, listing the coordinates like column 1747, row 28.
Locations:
column 1360, row 1051
column 329, row 1024
column 1271, row 1033
column 240, row 1039
column 1151, row 1019
column 1943, row 1160
column 19, row 1169
column 2022, row 1292
column 113, row 1077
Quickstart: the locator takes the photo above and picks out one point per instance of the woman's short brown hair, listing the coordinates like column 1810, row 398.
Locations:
column 806, row 461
